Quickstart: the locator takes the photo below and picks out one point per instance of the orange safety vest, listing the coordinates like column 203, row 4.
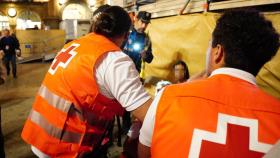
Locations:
column 221, row 116
column 69, row 115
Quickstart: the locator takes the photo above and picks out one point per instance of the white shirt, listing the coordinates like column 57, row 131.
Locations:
column 147, row 129
column 117, row 77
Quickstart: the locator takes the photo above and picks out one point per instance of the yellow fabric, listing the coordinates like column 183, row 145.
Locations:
column 142, row 72
column 269, row 76
column 186, row 37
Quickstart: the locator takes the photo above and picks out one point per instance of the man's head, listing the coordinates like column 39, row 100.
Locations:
column 113, row 23
column 142, row 20
column 96, row 13
column 6, row 32
column 242, row 39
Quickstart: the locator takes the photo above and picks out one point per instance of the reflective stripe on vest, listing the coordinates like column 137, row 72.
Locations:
column 58, row 102
column 62, row 105
column 54, row 100
column 53, row 131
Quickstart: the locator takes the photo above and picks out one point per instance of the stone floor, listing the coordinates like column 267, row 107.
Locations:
column 16, row 97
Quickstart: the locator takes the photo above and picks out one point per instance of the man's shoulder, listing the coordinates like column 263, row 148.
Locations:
column 202, row 87
column 186, row 88
column 3, row 38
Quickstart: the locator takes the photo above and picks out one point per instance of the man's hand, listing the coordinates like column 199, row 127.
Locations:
column 18, row 52
column 143, row 54
column 130, row 147
column 1, row 54
column 143, row 151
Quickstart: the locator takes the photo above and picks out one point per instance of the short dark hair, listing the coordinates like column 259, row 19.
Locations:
column 248, row 39
column 100, row 9
column 112, row 22
column 186, row 72
column 96, row 13
column 7, row 30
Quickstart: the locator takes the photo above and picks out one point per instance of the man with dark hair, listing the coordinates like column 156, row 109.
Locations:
column 138, row 46
column 225, row 115
column 247, row 47
column 89, row 82
column 10, row 46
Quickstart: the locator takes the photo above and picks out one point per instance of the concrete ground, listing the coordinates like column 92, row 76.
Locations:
column 16, row 98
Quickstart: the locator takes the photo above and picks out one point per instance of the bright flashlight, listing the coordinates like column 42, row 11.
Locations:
column 136, row 46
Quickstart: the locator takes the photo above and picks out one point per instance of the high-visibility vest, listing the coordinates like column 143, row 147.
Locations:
column 221, row 116
column 69, row 115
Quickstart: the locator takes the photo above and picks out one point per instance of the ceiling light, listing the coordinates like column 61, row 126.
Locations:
column 12, row 12
column 61, row 2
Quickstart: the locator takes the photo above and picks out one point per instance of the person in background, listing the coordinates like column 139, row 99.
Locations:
column 226, row 114
column 2, row 80
column 9, row 45
column 181, row 72
column 89, row 82
column 138, row 46
column 36, row 27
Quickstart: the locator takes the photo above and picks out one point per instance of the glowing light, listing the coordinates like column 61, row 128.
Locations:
column 136, row 46
column 12, row 12
column 61, row 2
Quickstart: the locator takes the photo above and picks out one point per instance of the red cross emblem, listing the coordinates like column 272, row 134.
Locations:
column 235, row 137
column 237, row 145
column 63, row 58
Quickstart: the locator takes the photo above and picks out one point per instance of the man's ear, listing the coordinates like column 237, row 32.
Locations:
column 219, row 54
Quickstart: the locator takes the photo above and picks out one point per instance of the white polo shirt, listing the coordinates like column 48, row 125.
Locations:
column 147, row 129
column 117, row 78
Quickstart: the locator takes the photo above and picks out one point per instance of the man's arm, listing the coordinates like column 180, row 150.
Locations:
column 148, row 57
column 1, row 44
column 144, row 151
column 2, row 69
column 141, row 111
column 122, row 81
column 147, row 130
column 17, row 46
